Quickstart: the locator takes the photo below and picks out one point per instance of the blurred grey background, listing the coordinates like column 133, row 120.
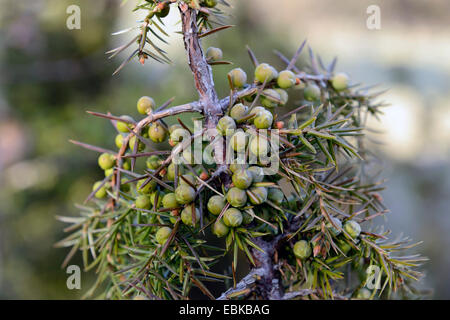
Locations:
column 49, row 77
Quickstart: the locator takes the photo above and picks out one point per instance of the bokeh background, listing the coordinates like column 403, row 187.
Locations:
column 49, row 77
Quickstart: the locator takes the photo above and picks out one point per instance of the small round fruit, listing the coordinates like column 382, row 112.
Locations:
column 101, row 192
column 226, row 126
column 164, row 11
column 210, row 3
column 269, row 98
column 263, row 120
column 153, row 162
column 175, row 126
column 352, row 228
column 162, row 235
column 220, row 229
column 340, row 81
column 109, row 172
column 238, row 111
column 169, row 201
column 257, row 173
column 171, row 171
column 215, row 204
column 284, row 97
column 236, row 197
column 259, row 146
column 125, row 187
column 187, row 177
column 275, row 195
column 184, row 194
column 334, row 230
column 302, row 249
column 239, row 141
column 311, row 92
column 260, row 195
column 153, row 196
column 119, row 140
column 145, row 105
column 265, row 72
column 157, row 132
column 238, row 77
column 363, row 293
column 242, row 179
column 186, row 216
column 178, row 135
column 234, row 166
column 123, row 126
column 142, row 202
column 246, row 218
column 344, row 246
column 126, row 164
column 106, row 161
column 286, row 79
column 232, row 217
column 148, row 188
column 214, row 54
column 132, row 143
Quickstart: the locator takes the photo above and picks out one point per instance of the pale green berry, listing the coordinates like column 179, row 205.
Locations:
column 210, row 3
column 101, row 192
column 109, row 172
column 153, row 196
column 175, row 126
column 148, row 188
column 334, row 230
column 232, row 217
column 162, row 235
column 123, row 126
column 142, row 202
column 352, row 228
column 184, row 194
column 236, row 197
column 238, row 77
column 234, row 166
column 187, row 177
column 157, row 132
column 119, row 140
column 363, row 294
column 186, row 216
column 265, row 72
column 263, row 120
column 340, row 81
column 286, row 79
column 257, row 173
column 275, row 195
column 239, row 141
column 145, row 105
column 214, row 54
column 215, row 204
column 270, row 98
column 260, row 195
column 226, row 126
column 132, row 143
column 302, row 249
column 284, row 97
column 220, row 229
column 169, row 201
column 238, row 111
column 311, row 92
column 242, row 179
column 178, row 135
column 246, row 218
column 259, row 146
column 153, row 162
column 106, row 161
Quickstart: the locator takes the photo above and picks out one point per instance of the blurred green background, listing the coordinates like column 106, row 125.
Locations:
column 49, row 77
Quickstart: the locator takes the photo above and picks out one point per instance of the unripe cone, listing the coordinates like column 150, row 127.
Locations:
column 340, row 81
column 335, row 231
column 302, row 249
column 311, row 92
column 363, row 293
column 187, row 177
column 171, row 171
column 119, row 140
column 148, row 188
column 214, row 54
column 259, row 146
column 106, row 161
column 238, row 111
column 153, row 196
column 242, row 179
column 236, row 197
column 286, row 79
column 123, row 126
column 275, row 195
column 101, row 193
column 238, row 77
column 246, row 218
column 220, row 229
column 132, row 143
column 269, row 98
column 153, row 162
column 260, row 195
column 263, row 120
column 157, row 132
column 145, row 105
column 210, row 3
column 284, row 97
column 257, row 173
column 109, row 172
column 178, row 135
column 239, row 141
column 142, row 202
column 215, row 204
column 232, row 217
column 164, row 11
column 162, row 235
column 352, row 228
column 169, row 201
column 226, row 126
column 237, row 165
column 184, row 194
column 265, row 72
column 186, row 216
